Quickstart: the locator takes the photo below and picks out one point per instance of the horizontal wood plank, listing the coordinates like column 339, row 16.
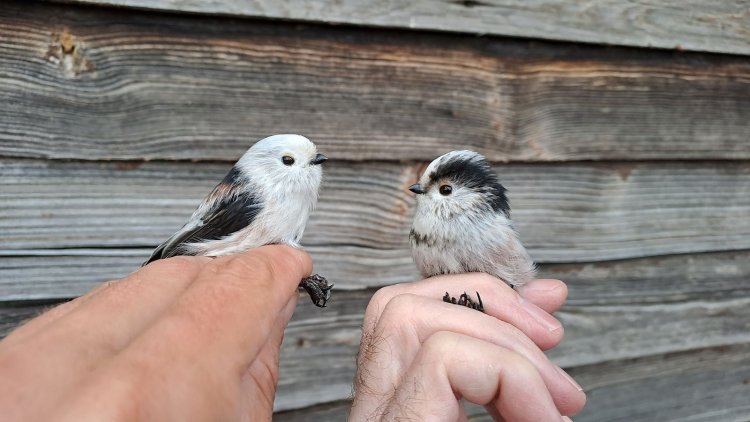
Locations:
column 60, row 274
column 708, row 385
column 616, row 310
column 564, row 212
column 705, row 385
column 86, row 83
column 719, row 26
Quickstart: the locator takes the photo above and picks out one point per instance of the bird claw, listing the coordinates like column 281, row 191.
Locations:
column 318, row 288
column 465, row 300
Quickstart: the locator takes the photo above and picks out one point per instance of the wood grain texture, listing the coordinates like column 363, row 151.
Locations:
column 719, row 26
column 86, row 83
column 564, row 212
column 704, row 385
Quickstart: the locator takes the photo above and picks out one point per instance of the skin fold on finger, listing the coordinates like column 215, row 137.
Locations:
column 451, row 366
column 234, row 302
column 548, row 294
column 499, row 300
column 94, row 330
column 258, row 384
column 402, row 331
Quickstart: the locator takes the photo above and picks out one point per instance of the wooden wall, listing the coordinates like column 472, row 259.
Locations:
column 628, row 168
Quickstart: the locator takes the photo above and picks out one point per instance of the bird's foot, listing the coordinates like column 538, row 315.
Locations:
column 465, row 300
column 318, row 288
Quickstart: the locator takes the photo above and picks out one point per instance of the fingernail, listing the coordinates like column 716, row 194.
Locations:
column 567, row 419
column 541, row 316
column 569, row 378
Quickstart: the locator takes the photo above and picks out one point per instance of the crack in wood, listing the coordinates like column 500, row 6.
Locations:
column 471, row 3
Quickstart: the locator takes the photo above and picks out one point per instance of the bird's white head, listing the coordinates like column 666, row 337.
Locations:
column 284, row 164
column 459, row 182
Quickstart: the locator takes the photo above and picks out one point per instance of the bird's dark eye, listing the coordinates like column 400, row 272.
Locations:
column 288, row 160
column 445, row 190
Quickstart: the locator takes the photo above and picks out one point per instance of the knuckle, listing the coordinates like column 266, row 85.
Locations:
column 379, row 300
column 401, row 304
column 245, row 265
column 396, row 312
column 440, row 343
column 174, row 265
column 292, row 258
column 283, row 260
column 523, row 369
column 486, row 281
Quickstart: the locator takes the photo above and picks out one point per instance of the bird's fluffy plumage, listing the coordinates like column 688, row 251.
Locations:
column 260, row 201
column 469, row 229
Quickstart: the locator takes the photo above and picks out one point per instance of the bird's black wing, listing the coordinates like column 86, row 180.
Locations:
column 232, row 208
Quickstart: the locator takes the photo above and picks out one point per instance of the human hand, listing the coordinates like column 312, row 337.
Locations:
column 186, row 338
column 420, row 356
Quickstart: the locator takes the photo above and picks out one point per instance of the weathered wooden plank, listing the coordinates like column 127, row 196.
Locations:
column 62, row 274
column 59, row 274
column 84, row 83
column 616, row 310
column 565, row 212
column 43, row 274
column 707, row 385
column 704, row 385
column 335, row 411
column 721, row 26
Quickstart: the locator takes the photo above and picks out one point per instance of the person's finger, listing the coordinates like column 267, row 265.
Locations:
column 234, row 302
column 34, row 325
column 451, row 365
column 259, row 382
column 404, row 330
column 105, row 321
column 498, row 298
column 96, row 328
column 548, row 294
column 145, row 294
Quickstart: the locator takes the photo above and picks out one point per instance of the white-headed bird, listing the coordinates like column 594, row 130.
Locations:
column 266, row 198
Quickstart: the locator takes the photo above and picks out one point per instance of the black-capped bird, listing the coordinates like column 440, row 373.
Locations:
column 462, row 224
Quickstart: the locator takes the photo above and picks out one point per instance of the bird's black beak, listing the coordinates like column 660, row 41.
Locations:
column 417, row 188
column 319, row 159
